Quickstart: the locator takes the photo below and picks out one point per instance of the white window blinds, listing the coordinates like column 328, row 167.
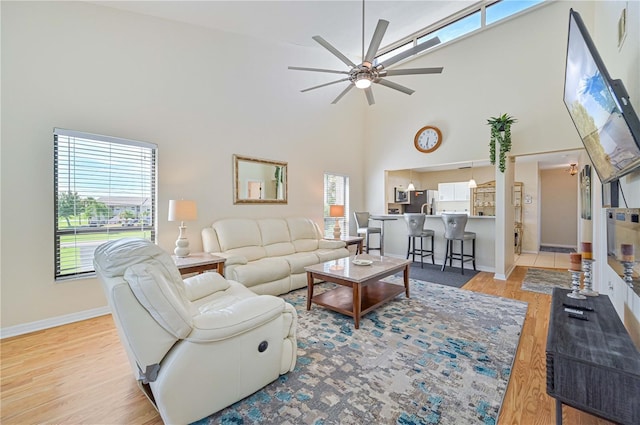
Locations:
column 104, row 189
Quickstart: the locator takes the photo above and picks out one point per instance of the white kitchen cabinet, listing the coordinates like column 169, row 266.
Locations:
column 457, row 191
column 462, row 191
column 446, row 191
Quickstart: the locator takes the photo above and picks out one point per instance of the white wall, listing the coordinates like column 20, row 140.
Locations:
column 622, row 63
column 516, row 67
column 201, row 95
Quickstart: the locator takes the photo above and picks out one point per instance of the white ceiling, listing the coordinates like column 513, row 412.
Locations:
column 339, row 22
column 296, row 21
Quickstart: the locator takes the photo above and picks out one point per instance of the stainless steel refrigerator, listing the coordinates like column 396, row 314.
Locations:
column 420, row 198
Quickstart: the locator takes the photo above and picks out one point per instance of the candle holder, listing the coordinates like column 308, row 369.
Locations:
column 575, row 285
column 628, row 272
column 588, row 279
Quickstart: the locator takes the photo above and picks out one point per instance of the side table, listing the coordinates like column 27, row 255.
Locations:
column 354, row 240
column 199, row 262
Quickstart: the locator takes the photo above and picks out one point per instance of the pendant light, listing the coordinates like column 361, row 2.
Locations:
column 411, row 186
column 472, row 182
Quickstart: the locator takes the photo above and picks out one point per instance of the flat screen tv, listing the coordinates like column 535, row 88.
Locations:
column 599, row 107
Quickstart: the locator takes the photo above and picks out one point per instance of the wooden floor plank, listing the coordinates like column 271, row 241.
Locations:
column 79, row 373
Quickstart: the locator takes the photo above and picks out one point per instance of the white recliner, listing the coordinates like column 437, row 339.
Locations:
column 195, row 345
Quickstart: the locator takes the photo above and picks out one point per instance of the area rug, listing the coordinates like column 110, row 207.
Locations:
column 543, row 281
column 443, row 356
column 451, row 276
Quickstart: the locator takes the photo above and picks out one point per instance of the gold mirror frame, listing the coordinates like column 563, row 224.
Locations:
column 255, row 181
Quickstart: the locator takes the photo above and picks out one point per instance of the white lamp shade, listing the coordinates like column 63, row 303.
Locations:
column 182, row 210
column 472, row 184
column 336, row 210
column 411, row 187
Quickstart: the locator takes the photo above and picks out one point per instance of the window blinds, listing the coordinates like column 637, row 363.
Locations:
column 104, row 189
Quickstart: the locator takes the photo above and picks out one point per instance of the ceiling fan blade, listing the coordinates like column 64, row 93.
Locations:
column 395, row 86
column 299, row 68
column 412, row 51
column 411, row 71
column 345, row 91
column 324, row 85
column 324, row 43
column 381, row 28
column 369, row 94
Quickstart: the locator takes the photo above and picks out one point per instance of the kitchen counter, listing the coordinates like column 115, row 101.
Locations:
column 396, row 238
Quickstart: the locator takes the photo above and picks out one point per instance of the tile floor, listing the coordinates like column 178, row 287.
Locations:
column 555, row 260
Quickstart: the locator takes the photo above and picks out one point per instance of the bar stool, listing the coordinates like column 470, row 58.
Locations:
column 362, row 222
column 415, row 227
column 454, row 225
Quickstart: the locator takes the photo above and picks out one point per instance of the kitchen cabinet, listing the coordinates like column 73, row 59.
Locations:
column 457, row 191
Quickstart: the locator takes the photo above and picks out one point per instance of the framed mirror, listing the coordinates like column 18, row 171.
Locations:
column 259, row 181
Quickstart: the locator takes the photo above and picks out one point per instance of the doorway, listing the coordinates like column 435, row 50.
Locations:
column 558, row 209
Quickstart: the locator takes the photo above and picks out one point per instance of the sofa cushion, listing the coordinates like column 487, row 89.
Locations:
column 237, row 233
column 273, row 230
column 297, row 262
column 302, row 228
column 246, row 253
column 159, row 297
column 261, row 271
column 305, row 245
column 115, row 258
column 204, row 284
column 279, row 249
column 331, row 254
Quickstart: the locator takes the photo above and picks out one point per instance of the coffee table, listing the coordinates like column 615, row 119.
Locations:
column 361, row 289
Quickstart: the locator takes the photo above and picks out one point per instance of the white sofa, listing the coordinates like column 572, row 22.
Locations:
column 195, row 345
column 269, row 255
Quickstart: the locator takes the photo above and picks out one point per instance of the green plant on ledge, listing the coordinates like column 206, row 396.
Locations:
column 500, row 133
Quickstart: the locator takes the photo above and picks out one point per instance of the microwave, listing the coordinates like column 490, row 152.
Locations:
column 400, row 196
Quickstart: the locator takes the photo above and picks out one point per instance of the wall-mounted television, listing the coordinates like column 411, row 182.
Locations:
column 599, row 107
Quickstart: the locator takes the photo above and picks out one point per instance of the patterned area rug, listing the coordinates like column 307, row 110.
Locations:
column 443, row 356
column 541, row 280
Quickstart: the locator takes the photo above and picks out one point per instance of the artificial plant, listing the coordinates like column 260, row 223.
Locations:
column 500, row 133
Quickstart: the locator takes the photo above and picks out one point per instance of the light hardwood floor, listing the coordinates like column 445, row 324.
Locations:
column 79, row 373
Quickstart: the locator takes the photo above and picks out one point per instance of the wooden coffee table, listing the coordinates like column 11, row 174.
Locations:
column 361, row 289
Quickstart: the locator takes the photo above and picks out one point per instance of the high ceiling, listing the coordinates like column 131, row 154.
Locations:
column 339, row 22
column 296, row 21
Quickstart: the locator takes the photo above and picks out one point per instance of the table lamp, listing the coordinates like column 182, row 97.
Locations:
column 181, row 210
column 336, row 211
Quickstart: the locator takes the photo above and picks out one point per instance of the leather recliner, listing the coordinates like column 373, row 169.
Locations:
column 195, row 345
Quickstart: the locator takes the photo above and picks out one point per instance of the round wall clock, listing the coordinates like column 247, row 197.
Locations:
column 428, row 139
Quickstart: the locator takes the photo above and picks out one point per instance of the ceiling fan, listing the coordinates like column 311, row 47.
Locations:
column 364, row 74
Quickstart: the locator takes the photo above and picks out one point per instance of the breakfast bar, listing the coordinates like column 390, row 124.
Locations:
column 483, row 226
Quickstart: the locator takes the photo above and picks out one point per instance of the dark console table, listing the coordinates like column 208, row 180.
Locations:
column 592, row 364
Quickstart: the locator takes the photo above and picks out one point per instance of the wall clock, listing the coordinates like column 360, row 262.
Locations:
column 428, row 139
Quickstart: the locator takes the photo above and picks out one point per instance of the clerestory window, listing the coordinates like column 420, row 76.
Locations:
column 104, row 189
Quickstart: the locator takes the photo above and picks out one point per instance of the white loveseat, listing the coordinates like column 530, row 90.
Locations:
column 269, row 255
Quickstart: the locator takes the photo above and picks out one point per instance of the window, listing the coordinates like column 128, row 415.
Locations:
column 336, row 192
column 504, row 9
column 104, row 189
column 455, row 29
column 457, row 26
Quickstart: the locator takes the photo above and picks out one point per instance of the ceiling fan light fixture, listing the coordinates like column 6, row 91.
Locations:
column 363, row 81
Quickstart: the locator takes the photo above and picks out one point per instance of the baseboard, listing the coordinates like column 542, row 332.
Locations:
column 52, row 322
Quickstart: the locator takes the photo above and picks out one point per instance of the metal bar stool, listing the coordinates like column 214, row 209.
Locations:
column 362, row 223
column 454, row 225
column 415, row 227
